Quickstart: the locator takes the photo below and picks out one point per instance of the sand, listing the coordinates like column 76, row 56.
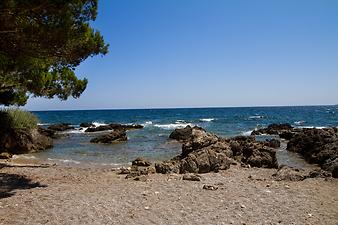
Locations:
column 71, row 195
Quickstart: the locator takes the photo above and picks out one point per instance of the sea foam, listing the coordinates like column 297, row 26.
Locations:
column 207, row 119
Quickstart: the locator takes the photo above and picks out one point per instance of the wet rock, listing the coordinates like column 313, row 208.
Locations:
column 285, row 173
column 191, row 177
column 111, row 138
column 60, row 127
column 318, row 146
column 141, row 162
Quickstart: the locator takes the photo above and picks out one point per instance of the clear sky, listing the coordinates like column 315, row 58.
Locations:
column 196, row 53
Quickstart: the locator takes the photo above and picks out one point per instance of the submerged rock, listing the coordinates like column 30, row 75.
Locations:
column 116, row 136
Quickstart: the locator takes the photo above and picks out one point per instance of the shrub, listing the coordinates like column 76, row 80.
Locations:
column 18, row 119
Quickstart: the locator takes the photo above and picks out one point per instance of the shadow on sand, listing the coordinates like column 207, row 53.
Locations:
column 11, row 182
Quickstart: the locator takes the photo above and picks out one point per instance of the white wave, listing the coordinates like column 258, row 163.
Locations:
column 65, row 160
column 300, row 122
column 207, row 119
column 180, row 121
column 43, row 124
column 97, row 123
column 247, row 133
column 256, row 117
column 147, row 123
column 310, row 127
column 75, row 131
column 173, row 126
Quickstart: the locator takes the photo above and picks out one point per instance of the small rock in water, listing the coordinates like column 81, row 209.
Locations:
column 210, row 187
column 191, row 177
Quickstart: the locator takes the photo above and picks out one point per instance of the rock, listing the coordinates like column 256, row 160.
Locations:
column 210, row 187
column 199, row 139
column 124, row 170
column 111, row 138
column 319, row 146
column 283, row 130
column 24, row 141
column 191, row 177
column 204, row 161
column 335, row 171
column 273, row 143
column 141, row 178
column 141, row 162
column 183, row 134
column 47, row 132
column 86, row 125
column 60, row 127
column 318, row 173
column 285, row 173
column 5, row 155
column 165, row 167
column 114, row 126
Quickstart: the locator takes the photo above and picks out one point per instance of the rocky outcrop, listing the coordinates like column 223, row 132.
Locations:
column 318, row 146
column 204, row 152
column 23, row 141
column 118, row 135
column 60, row 127
column 285, row 131
column 114, row 127
column 85, row 125
column 183, row 134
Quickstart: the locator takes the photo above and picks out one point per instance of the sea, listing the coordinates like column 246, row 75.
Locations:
column 152, row 142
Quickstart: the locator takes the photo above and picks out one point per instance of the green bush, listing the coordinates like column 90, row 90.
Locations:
column 14, row 118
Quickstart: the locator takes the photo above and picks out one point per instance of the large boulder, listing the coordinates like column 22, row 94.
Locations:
column 23, row 141
column 118, row 135
column 85, row 125
column 318, row 146
column 60, row 127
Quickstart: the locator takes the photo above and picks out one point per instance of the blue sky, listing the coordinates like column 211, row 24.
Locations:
column 198, row 53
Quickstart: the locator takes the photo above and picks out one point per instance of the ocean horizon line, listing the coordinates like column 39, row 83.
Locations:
column 173, row 108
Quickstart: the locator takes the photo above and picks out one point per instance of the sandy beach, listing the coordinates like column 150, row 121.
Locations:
column 57, row 194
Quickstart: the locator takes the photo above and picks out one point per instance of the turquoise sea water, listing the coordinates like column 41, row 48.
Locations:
column 152, row 141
